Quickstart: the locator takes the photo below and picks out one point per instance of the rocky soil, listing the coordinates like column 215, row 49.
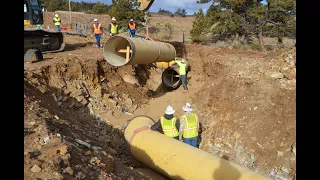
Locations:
column 248, row 111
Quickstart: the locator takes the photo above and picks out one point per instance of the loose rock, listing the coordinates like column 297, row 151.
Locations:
column 35, row 169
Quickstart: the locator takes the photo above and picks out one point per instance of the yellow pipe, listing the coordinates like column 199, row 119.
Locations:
column 141, row 51
column 164, row 65
column 178, row 160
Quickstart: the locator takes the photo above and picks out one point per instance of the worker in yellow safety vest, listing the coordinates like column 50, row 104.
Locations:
column 182, row 72
column 189, row 126
column 57, row 22
column 132, row 28
column 97, row 31
column 113, row 27
column 168, row 124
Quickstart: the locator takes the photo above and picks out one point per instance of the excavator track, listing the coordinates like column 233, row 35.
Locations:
column 43, row 41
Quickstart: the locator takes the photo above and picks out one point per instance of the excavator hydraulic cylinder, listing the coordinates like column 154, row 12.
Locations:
column 120, row 51
column 178, row 160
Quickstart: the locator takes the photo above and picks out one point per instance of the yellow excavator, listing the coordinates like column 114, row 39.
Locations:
column 144, row 5
column 37, row 41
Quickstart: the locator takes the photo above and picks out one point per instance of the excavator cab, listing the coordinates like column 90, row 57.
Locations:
column 37, row 41
column 32, row 12
column 144, row 5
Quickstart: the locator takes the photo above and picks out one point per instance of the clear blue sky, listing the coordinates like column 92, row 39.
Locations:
column 190, row 6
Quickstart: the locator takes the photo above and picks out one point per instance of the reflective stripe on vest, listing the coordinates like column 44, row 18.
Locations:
column 113, row 29
column 132, row 26
column 97, row 30
column 56, row 21
column 190, row 129
column 169, row 127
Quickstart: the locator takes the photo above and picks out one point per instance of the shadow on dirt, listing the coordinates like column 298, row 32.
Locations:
column 71, row 47
column 77, row 123
column 142, row 73
column 160, row 91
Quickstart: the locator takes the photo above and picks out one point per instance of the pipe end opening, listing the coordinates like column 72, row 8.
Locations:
column 118, row 51
column 171, row 78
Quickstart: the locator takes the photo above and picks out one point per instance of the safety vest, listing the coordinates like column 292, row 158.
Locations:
column 169, row 127
column 182, row 69
column 190, row 129
column 132, row 26
column 97, row 30
column 56, row 21
column 114, row 28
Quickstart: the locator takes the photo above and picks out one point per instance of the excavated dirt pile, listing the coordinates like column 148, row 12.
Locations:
column 248, row 110
column 67, row 133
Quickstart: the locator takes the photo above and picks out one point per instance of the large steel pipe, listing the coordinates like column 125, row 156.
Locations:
column 170, row 76
column 120, row 51
column 177, row 160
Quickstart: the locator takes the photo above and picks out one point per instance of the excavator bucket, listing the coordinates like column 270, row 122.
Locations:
column 144, row 5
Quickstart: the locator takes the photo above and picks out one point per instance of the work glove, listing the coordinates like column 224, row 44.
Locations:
column 110, row 34
column 149, row 126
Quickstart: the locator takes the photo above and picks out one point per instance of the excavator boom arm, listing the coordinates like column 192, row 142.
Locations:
column 144, row 5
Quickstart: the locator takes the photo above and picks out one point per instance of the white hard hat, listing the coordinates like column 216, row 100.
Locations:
column 95, row 20
column 169, row 110
column 131, row 19
column 182, row 60
column 56, row 15
column 113, row 19
column 187, row 107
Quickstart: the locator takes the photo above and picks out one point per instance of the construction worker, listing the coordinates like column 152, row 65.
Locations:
column 113, row 27
column 182, row 72
column 97, row 31
column 168, row 124
column 57, row 22
column 38, row 26
column 132, row 28
column 189, row 126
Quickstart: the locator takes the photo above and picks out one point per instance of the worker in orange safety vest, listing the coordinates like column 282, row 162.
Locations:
column 97, row 31
column 132, row 28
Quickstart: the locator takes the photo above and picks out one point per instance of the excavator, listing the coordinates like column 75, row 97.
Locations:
column 37, row 41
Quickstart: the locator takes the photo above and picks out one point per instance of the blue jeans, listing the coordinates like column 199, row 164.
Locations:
column 191, row 141
column 78, row 28
column 98, row 37
column 184, row 80
column 58, row 28
column 132, row 32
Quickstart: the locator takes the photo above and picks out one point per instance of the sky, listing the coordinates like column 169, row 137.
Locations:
column 190, row 6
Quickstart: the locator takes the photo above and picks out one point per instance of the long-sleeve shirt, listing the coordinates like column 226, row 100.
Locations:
column 182, row 67
column 157, row 126
column 181, row 127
